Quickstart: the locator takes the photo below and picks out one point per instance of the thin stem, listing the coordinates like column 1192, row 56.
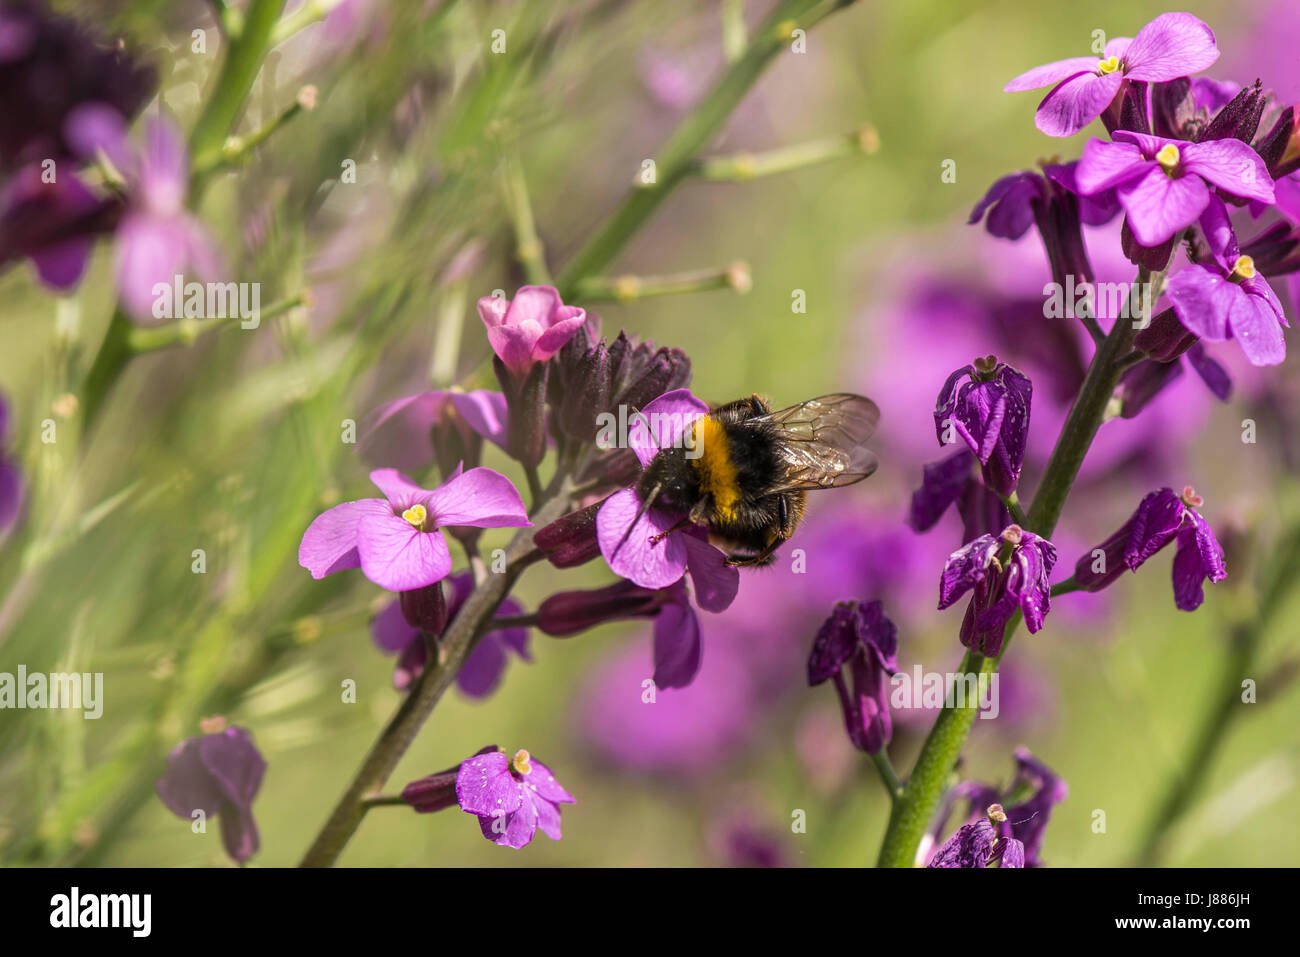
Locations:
column 385, row 800
column 736, row 277
column 528, row 244
column 1066, row 587
column 1012, row 502
column 534, row 485
column 733, row 29
column 674, row 161
column 184, row 332
column 310, row 12
column 513, row 621
column 888, row 777
column 238, row 148
column 453, row 648
column 746, row 166
column 938, row 756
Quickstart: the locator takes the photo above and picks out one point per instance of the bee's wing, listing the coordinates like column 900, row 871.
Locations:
column 823, row 441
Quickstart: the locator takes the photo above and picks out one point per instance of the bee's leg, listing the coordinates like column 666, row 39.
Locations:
column 766, row 557
column 788, row 511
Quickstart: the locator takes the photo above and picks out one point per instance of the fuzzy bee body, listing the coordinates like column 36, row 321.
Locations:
column 745, row 470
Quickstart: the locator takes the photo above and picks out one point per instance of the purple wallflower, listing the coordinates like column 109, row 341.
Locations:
column 987, row 405
column 1023, row 584
column 1227, row 298
column 11, row 480
column 1162, row 517
column 482, row 670
column 218, row 774
column 395, row 540
column 443, row 425
column 1165, row 185
column 530, row 328
column 954, row 481
column 863, row 638
column 1170, row 46
column 981, row 843
column 1029, row 818
column 52, row 224
column 512, row 797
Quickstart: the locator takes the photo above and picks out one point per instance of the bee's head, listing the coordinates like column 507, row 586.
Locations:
column 673, row 476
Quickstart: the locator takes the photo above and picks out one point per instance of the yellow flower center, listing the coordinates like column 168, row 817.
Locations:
column 1244, row 267
column 996, row 814
column 522, row 762
column 1168, row 157
column 1108, row 65
column 416, row 515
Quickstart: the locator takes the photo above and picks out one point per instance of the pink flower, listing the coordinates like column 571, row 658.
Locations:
column 530, row 328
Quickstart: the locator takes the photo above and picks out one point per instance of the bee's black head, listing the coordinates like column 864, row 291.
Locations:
column 674, row 477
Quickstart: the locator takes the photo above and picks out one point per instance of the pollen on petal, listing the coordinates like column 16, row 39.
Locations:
column 1168, row 157
column 522, row 762
column 1108, row 65
column 417, row 514
column 1244, row 267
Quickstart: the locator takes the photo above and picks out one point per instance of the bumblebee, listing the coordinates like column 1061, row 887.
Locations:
column 744, row 470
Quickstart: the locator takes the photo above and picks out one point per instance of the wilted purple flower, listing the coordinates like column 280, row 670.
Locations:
column 529, row 328
column 862, row 638
column 987, row 404
column 11, row 480
column 1028, row 819
column 1170, row 46
column 218, row 774
column 954, row 481
column 1164, row 185
column 512, row 797
column 1161, row 517
column 999, row 590
column 52, row 223
column 395, row 540
column 1227, row 298
column 446, row 426
column 981, row 843
column 482, row 670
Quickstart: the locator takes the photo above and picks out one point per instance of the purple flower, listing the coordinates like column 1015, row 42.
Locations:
column 1227, row 298
column 1161, row 517
column 862, row 638
column 987, row 405
column 1170, row 46
column 443, row 425
column 999, row 590
column 980, row 844
column 52, row 223
column 1164, row 185
column 395, row 540
column 511, row 798
column 482, row 670
column 11, row 480
column 1028, row 819
column 954, row 481
column 530, row 328
column 218, row 774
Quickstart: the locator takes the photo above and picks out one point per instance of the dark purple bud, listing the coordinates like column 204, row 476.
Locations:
column 1278, row 147
column 525, row 411
column 1142, row 383
column 1154, row 258
column 570, row 612
column 1164, row 339
column 1133, row 108
column 437, row 792
column 425, row 608
column 579, row 384
column 1009, row 205
column 1275, row 251
column 614, row 469
column 1239, row 119
column 662, row 370
column 571, row 540
column 987, row 404
column 858, row 639
column 1172, row 108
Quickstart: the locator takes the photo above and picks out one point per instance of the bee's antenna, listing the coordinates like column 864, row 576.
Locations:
column 645, row 507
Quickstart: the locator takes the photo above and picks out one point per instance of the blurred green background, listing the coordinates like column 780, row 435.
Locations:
column 233, row 444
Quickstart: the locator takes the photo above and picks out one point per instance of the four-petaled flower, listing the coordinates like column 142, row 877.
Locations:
column 219, row 774
column 858, row 638
column 1000, row 586
column 1172, row 45
column 511, row 797
column 987, row 405
column 1163, row 516
column 1227, row 298
column 395, row 540
column 1165, row 185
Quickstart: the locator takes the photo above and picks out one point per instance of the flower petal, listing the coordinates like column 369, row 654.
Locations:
column 235, row 764
column 1170, row 46
column 400, row 490
column 656, row 565
column 1255, row 327
column 1051, row 73
column 484, row 411
column 484, row 785
column 1202, row 300
column 715, row 582
column 1158, row 206
column 330, row 543
column 390, row 631
column 398, row 557
column 661, row 424
column 677, row 647
column 480, row 497
column 1104, row 165
column 1076, row 103
column 1230, row 165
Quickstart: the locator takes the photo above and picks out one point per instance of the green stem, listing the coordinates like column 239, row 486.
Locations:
column 888, row 777
column 925, row 785
column 675, row 160
column 454, row 647
column 631, row 288
column 183, row 332
column 528, row 244
column 746, row 166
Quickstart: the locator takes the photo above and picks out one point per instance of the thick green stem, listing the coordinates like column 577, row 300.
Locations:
column 925, row 786
column 676, row 160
